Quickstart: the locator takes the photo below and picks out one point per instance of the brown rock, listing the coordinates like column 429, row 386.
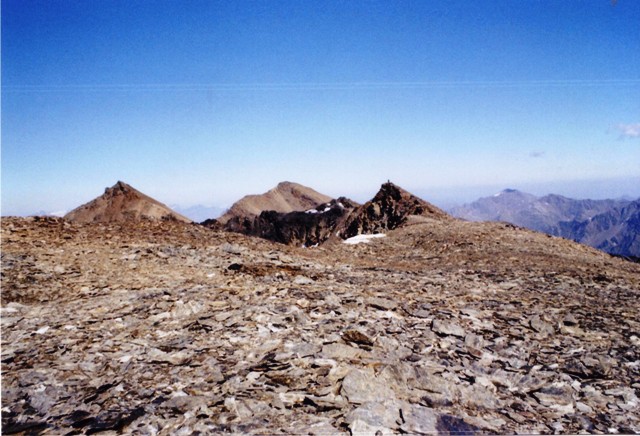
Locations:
column 121, row 202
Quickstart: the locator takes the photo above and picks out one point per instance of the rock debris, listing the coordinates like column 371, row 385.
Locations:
column 441, row 327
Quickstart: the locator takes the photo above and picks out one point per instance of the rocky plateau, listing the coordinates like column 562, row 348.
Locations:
column 439, row 327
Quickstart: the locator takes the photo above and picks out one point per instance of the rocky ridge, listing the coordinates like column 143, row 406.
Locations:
column 390, row 208
column 122, row 202
column 442, row 326
column 309, row 228
column 285, row 197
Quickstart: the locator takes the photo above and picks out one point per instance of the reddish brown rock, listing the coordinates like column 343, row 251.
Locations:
column 121, row 203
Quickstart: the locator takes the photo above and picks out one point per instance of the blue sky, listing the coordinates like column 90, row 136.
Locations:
column 201, row 102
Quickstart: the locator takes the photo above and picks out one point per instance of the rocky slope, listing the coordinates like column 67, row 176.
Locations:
column 121, row 202
column 599, row 223
column 442, row 326
column 284, row 198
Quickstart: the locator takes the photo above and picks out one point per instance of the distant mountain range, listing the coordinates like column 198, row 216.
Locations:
column 609, row 225
column 199, row 213
column 294, row 214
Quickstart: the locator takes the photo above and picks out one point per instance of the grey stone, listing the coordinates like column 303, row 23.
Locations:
column 419, row 420
column 302, row 280
column 361, row 386
column 381, row 303
column 447, row 328
column 185, row 403
column 541, row 326
column 381, row 416
column 340, row 351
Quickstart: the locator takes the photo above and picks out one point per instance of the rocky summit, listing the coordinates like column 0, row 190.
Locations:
column 391, row 207
column 284, row 198
column 122, row 202
column 439, row 327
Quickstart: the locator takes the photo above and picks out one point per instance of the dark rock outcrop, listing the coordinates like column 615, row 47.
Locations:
column 389, row 209
column 308, row 228
column 211, row 223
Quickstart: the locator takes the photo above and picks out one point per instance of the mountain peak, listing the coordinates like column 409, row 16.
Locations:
column 119, row 188
column 122, row 202
column 288, row 185
column 390, row 189
column 285, row 197
column 510, row 193
column 389, row 209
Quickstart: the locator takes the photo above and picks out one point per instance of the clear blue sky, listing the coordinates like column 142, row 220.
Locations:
column 205, row 101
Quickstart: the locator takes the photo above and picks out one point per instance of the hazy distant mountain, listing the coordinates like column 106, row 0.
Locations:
column 610, row 225
column 199, row 213
column 122, row 202
column 509, row 205
column 41, row 212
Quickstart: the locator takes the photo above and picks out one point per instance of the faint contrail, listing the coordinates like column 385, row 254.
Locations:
column 318, row 86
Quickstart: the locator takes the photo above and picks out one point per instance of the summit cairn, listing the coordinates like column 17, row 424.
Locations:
column 121, row 203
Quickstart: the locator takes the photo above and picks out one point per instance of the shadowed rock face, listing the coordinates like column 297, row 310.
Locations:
column 121, row 203
column 389, row 209
column 305, row 228
column 616, row 231
column 308, row 228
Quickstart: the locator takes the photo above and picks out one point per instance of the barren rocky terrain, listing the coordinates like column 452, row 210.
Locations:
column 441, row 326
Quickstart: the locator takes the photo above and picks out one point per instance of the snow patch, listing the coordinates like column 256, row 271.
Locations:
column 326, row 209
column 362, row 238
